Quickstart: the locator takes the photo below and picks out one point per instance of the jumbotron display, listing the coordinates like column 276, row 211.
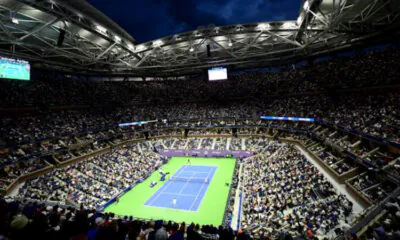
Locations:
column 218, row 73
column 15, row 69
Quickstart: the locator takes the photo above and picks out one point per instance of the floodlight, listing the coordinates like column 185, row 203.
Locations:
column 157, row 43
column 101, row 29
column 14, row 20
column 139, row 47
column 299, row 20
column 306, row 5
column 263, row 26
column 177, row 37
column 288, row 25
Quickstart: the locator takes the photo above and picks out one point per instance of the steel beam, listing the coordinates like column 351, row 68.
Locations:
column 39, row 28
column 105, row 51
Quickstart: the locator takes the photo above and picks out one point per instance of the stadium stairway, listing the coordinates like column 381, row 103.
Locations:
column 243, row 144
column 139, row 148
column 200, row 142
column 213, row 143
column 173, row 143
column 228, row 144
column 162, row 143
column 186, row 144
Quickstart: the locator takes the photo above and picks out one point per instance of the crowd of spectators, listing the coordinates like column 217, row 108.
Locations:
column 364, row 181
column 369, row 112
column 376, row 115
column 281, row 185
column 380, row 192
column 31, row 220
column 94, row 181
column 337, row 164
column 284, row 192
column 374, row 121
column 359, row 70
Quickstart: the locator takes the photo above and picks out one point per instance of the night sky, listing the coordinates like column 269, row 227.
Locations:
column 146, row 20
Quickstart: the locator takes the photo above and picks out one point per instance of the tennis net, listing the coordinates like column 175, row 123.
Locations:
column 185, row 179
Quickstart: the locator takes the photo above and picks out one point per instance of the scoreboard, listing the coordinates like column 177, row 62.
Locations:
column 15, row 69
column 218, row 73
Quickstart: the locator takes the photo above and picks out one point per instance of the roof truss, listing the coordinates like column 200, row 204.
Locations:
column 323, row 26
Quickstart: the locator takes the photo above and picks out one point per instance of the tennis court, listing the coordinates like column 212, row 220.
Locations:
column 211, row 199
column 188, row 186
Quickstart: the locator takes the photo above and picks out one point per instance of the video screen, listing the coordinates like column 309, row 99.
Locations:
column 219, row 73
column 15, row 69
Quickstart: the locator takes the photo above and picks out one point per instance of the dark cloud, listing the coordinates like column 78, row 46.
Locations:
column 146, row 20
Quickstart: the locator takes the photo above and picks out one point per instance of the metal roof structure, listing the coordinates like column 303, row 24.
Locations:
column 30, row 29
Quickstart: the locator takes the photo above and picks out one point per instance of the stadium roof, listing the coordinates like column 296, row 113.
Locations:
column 93, row 43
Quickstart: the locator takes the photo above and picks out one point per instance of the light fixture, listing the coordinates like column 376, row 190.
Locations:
column 230, row 43
column 101, row 29
column 191, row 49
column 140, row 47
column 306, row 5
column 299, row 20
column 15, row 20
column 263, row 26
column 288, row 25
column 157, row 43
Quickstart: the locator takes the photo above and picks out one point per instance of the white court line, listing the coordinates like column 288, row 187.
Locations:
column 202, row 186
column 197, row 195
column 162, row 190
column 179, row 209
column 159, row 193
column 182, row 194
column 194, row 171
column 184, row 186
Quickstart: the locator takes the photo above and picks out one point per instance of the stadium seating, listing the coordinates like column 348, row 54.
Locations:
column 78, row 156
column 283, row 191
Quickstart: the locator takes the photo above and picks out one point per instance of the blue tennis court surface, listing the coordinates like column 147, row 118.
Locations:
column 188, row 186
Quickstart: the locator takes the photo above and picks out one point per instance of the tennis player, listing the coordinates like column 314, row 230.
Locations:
column 188, row 161
column 174, row 203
